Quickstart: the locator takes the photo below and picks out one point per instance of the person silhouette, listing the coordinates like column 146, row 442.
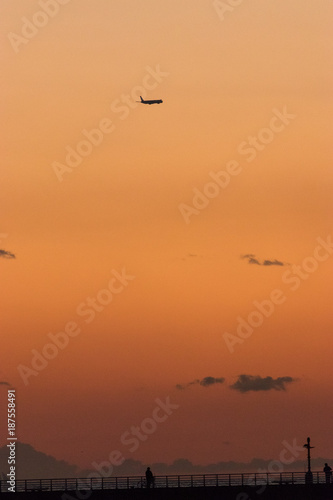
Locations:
column 149, row 477
column 328, row 472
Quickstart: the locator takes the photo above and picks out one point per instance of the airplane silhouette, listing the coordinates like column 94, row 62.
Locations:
column 153, row 101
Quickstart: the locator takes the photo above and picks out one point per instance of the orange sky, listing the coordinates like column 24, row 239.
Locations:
column 249, row 89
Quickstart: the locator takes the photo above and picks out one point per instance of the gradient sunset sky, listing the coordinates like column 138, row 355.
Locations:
column 151, row 233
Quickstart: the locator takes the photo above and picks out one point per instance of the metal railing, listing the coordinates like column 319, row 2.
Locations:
column 169, row 481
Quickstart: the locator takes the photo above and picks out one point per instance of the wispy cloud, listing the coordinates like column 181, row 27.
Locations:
column 252, row 259
column 6, row 255
column 205, row 382
column 192, row 256
column 3, row 382
column 246, row 383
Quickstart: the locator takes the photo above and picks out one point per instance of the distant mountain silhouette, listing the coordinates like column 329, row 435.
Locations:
column 184, row 466
column 32, row 464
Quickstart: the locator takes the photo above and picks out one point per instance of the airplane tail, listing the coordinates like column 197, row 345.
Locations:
column 141, row 98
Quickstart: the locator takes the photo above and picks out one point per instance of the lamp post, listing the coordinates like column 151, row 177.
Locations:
column 308, row 475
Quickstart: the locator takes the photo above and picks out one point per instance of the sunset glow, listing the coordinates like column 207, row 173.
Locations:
column 154, row 254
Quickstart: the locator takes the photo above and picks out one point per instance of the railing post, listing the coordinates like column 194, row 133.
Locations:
column 204, row 480
column 242, row 479
column 178, row 481
column 166, row 482
column 191, row 481
column 25, row 485
column 116, row 483
column 217, row 479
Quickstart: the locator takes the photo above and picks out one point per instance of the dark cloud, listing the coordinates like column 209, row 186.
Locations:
column 246, row 383
column 273, row 263
column 7, row 255
column 251, row 259
column 205, row 382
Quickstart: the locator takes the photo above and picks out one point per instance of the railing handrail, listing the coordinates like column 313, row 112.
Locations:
column 167, row 481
